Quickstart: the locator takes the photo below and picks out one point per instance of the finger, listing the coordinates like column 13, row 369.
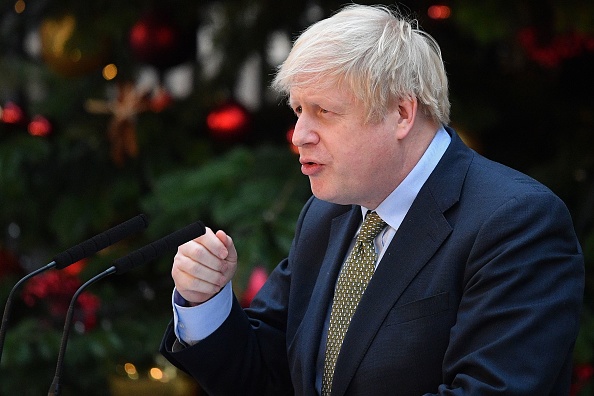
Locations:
column 202, row 265
column 230, row 247
column 231, row 259
column 205, row 250
column 213, row 244
column 196, row 289
column 199, row 284
column 198, row 292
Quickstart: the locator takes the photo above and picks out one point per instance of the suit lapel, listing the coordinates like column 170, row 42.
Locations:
column 425, row 225
column 308, row 336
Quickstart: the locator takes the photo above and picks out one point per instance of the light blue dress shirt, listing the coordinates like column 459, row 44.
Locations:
column 192, row 324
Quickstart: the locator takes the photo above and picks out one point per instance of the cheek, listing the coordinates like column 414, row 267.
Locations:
column 366, row 153
column 356, row 166
column 359, row 150
column 370, row 163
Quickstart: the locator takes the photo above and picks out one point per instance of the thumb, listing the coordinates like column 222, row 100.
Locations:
column 228, row 242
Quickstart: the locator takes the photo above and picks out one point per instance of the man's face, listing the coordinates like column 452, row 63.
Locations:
column 347, row 160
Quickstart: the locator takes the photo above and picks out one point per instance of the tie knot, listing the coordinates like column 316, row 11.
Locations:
column 372, row 225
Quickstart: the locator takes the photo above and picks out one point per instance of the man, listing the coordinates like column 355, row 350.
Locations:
column 476, row 273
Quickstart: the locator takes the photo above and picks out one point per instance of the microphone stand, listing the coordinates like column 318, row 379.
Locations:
column 121, row 265
column 74, row 254
column 55, row 388
column 7, row 307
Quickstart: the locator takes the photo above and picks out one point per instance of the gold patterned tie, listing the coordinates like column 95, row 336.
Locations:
column 352, row 281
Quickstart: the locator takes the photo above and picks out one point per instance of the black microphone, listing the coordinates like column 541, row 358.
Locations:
column 100, row 242
column 74, row 254
column 120, row 266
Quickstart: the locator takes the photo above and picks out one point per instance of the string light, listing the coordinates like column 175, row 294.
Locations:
column 110, row 72
column 130, row 369
column 157, row 374
column 19, row 6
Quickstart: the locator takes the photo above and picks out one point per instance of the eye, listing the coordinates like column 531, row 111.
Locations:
column 298, row 110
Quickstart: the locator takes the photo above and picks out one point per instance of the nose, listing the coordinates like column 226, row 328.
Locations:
column 304, row 132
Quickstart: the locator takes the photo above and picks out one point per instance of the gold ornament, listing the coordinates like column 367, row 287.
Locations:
column 67, row 51
column 121, row 132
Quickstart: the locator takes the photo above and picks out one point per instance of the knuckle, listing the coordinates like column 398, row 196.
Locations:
column 199, row 252
column 222, row 280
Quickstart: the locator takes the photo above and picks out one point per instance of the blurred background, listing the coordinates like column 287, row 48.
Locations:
column 113, row 108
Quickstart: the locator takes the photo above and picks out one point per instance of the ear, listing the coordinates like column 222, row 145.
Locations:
column 407, row 113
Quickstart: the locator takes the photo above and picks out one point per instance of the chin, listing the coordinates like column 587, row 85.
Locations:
column 332, row 194
column 332, row 198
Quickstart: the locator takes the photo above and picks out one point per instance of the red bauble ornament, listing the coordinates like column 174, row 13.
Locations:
column 229, row 121
column 160, row 100
column 39, row 126
column 292, row 147
column 76, row 268
column 12, row 113
column 156, row 40
column 439, row 11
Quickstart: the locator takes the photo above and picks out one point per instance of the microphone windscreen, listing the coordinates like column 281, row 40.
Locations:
column 159, row 247
column 100, row 241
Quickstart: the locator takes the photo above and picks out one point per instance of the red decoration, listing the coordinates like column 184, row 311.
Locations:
column 12, row 114
column 160, row 100
column 550, row 53
column 75, row 268
column 290, row 133
column 39, row 126
column 9, row 263
column 54, row 289
column 439, row 11
column 228, row 121
column 582, row 375
column 156, row 40
column 255, row 282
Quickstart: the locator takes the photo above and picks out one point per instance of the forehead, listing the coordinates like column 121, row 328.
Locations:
column 320, row 94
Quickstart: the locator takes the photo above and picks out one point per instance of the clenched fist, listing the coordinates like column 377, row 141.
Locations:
column 203, row 266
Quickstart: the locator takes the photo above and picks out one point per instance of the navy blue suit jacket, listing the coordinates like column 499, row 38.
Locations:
column 479, row 293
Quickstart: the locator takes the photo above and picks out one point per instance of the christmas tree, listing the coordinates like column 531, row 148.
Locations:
column 109, row 109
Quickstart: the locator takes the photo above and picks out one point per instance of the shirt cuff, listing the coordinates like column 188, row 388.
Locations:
column 192, row 324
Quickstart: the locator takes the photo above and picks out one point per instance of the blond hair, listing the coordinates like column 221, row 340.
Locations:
column 376, row 53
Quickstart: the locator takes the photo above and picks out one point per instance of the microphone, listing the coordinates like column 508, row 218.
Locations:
column 74, row 254
column 120, row 266
column 100, row 242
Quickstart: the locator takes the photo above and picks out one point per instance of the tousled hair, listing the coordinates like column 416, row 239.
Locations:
column 377, row 54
